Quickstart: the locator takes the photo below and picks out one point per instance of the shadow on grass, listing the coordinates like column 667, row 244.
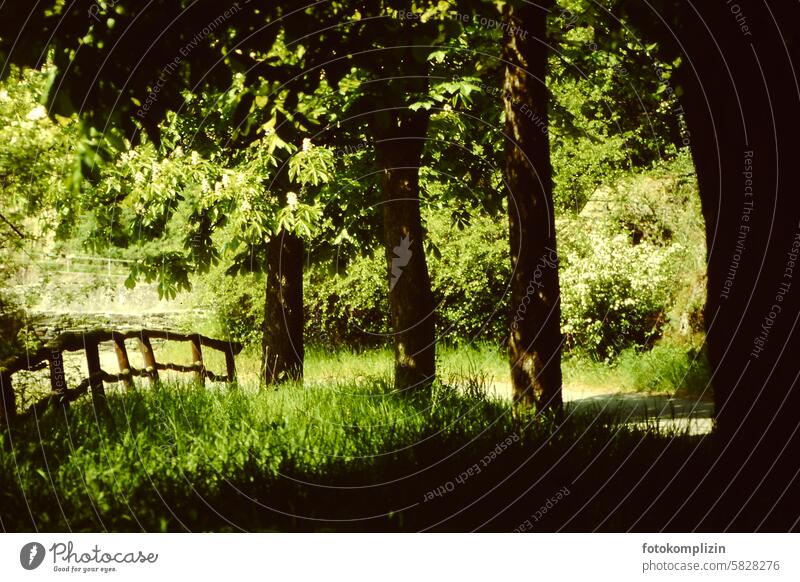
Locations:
column 350, row 458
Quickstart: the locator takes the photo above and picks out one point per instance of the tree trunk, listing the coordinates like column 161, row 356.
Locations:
column 535, row 337
column 8, row 402
column 741, row 100
column 411, row 305
column 282, row 343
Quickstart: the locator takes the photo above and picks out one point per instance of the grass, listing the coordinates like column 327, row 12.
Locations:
column 346, row 456
column 347, row 452
column 454, row 364
column 667, row 368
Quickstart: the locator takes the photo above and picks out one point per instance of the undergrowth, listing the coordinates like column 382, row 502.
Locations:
column 344, row 456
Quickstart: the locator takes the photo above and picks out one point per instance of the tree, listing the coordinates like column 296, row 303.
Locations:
column 535, row 339
column 398, row 150
column 609, row 114
column 126, row 67
column 738, row 90
column 118, row 77
column 390, row 87
column 37, row 181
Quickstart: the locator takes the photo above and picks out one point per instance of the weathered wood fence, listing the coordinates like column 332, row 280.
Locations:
column 51, row 355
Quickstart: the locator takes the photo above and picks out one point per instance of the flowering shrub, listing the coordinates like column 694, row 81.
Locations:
column 615, row 294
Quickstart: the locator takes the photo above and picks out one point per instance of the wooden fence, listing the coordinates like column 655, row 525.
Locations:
column 51, row 356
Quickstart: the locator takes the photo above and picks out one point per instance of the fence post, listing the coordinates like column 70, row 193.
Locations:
column 230, row 364
column 8, row 403
column 122, row 360
column 150, row 365
column 197, row 360
column 57, row 380
column 95, row 381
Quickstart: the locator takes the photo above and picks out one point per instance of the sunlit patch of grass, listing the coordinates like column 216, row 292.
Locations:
column 324, row 366
column 475, row 360
column 666, row 368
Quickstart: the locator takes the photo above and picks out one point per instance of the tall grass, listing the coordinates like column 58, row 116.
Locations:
column 346, row 456
column 667, row 368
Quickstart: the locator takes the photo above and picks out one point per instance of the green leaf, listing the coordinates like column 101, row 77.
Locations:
column 437, row 56
column 427, row 104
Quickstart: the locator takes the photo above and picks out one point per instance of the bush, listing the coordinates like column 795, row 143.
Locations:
column 348, row 306
column 236, row 305
column 12, row 322
column 469, row 271
column 614, row 294
column 633, row 263
column 470, row 279
column 581, row 165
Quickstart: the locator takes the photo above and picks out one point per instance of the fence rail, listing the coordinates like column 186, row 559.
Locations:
column 51, row 356
column 88, row 265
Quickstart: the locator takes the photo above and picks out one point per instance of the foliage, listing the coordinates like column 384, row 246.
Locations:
column 632, row 263
column 470, row 277
column 631, row 266
column 349, row 307
column 36, row 171
column 259, row 141
column 235, row 304
column 611, row 110
column 346, row 304
column 12, row 322
column 37, row 168
column 614, row 293
column 183, row 210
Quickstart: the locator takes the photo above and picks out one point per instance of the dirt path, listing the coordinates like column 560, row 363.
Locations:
column 638, row 408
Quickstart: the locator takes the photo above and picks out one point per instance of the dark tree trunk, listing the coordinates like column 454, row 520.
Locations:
column 282, row 343
column 398, row 151
column 741, row 103
column 535, row 337
column 8, row 403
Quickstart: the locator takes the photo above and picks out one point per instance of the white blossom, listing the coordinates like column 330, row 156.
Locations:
column 37, row 113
